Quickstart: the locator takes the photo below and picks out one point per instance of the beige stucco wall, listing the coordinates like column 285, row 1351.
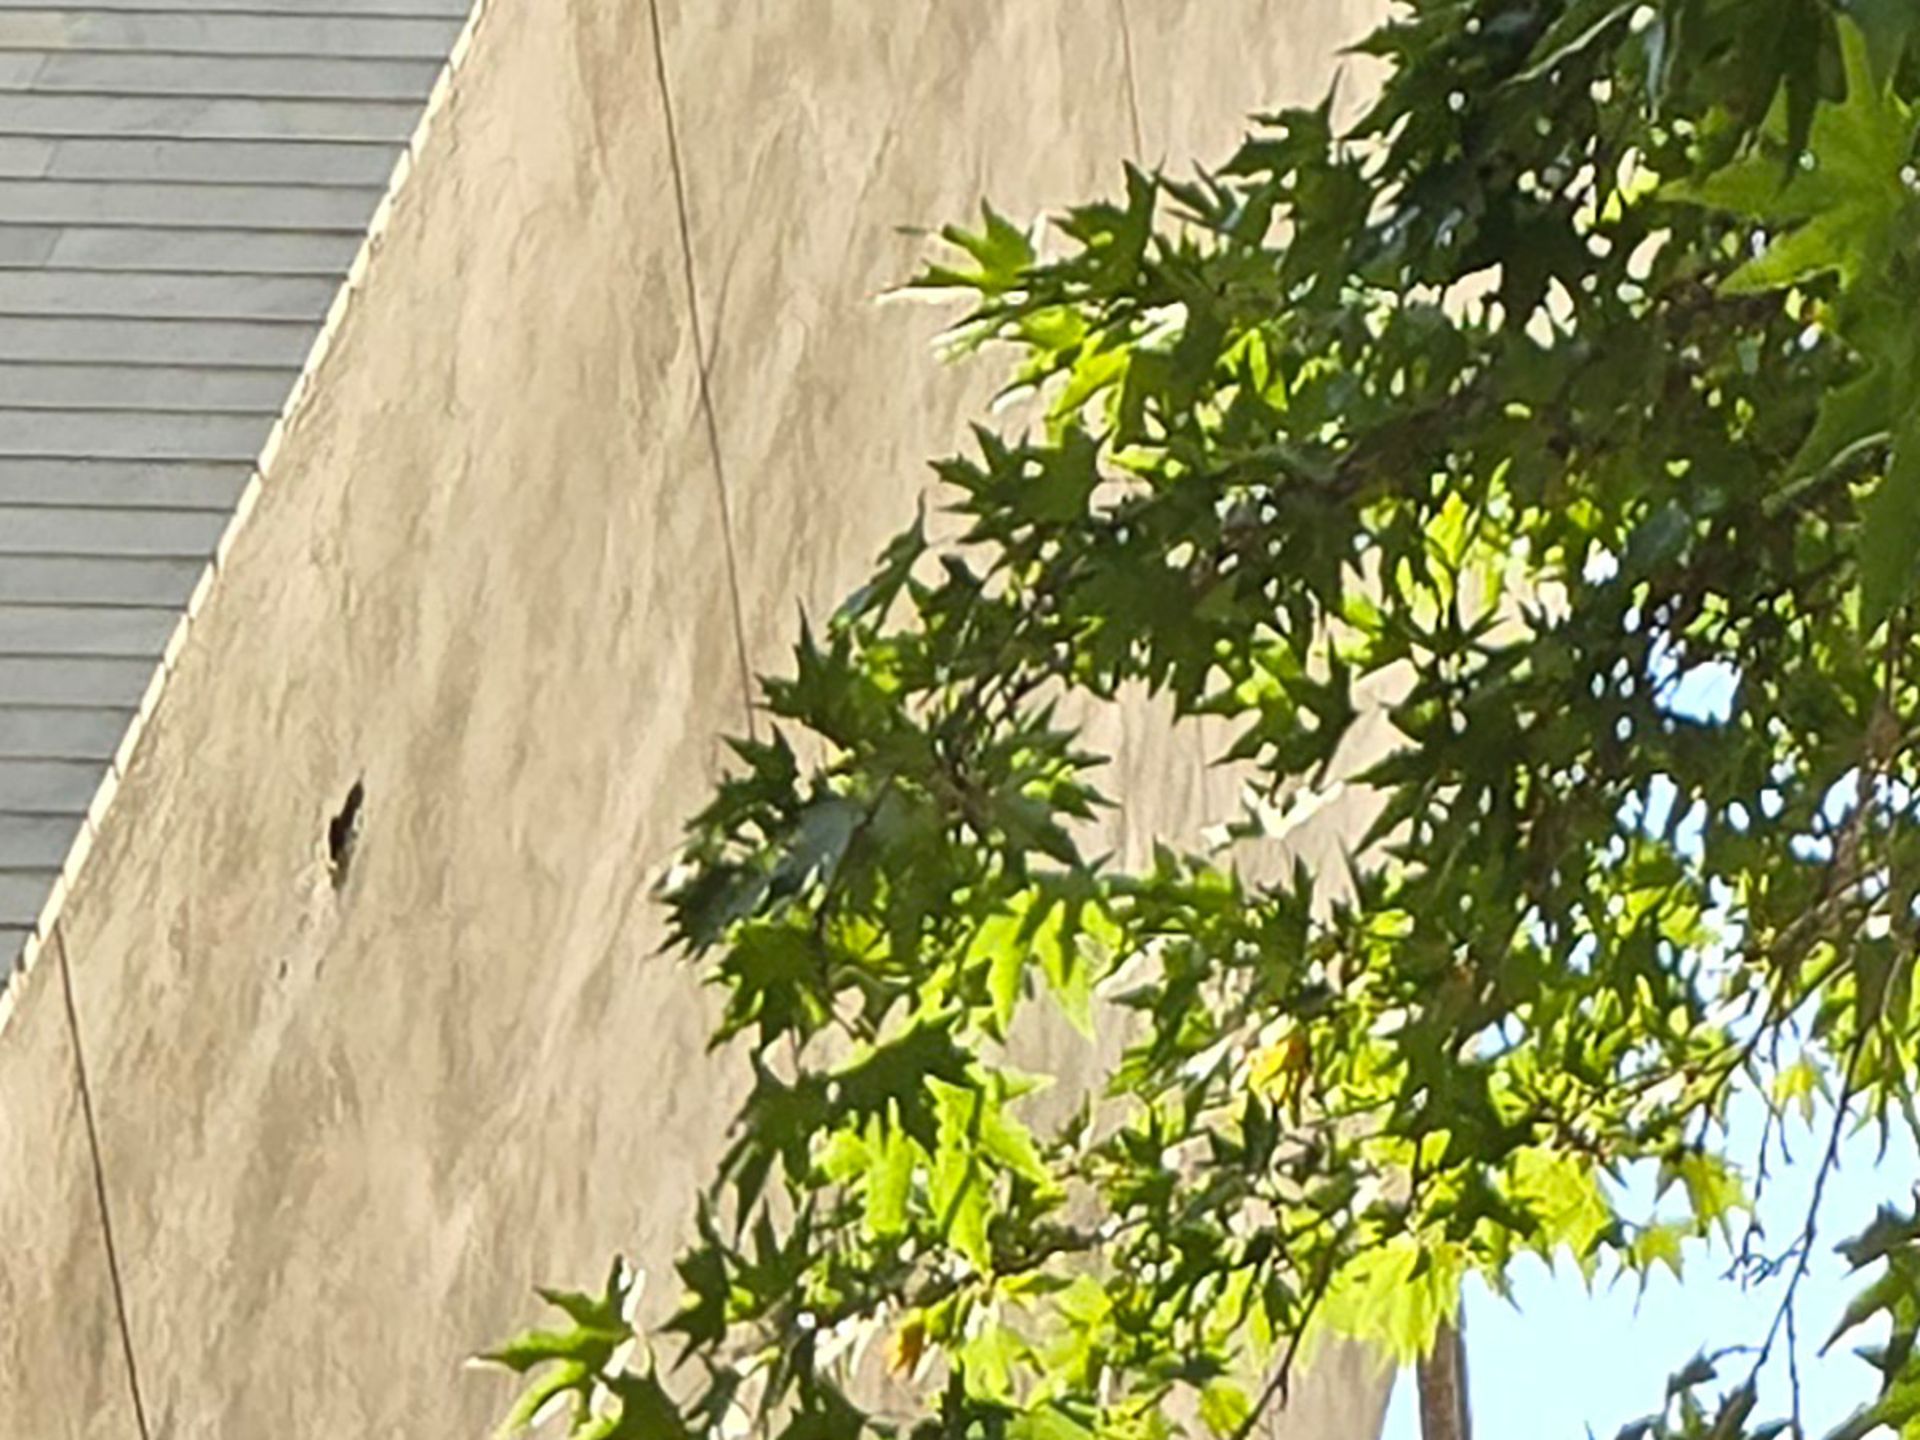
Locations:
column 342, row 1134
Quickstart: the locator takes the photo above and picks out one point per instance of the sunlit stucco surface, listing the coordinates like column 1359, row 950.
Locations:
column 343, row 1130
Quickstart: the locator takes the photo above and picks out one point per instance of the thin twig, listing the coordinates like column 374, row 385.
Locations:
column 1279, row 1385
column 1802, row 1248
column 1793, row 1373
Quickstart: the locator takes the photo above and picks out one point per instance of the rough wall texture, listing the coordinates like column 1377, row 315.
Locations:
column 62, row 1370
column 183, row 188
column 341, row 1131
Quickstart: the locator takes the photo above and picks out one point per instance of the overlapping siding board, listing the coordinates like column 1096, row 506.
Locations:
column 183, row 186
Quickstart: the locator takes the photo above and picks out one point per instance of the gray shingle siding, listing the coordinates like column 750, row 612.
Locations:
column 37, row 842
column 187, row 204
column 77, row 680
column 165, row 296
column 116, row 632
column 294, row 77
column 130, row 157
column 192, row 117
column 161, row 387
column 58, row 339
column 364, row 36
column 47, row 787
column 96, row 580
column 150, row 249
column 444, row 9
column 124, row 434
column 124, row 484
column 23, row 892
column 41, row 732
column 183, row 186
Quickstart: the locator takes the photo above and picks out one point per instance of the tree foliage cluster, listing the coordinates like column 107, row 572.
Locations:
column 1576, row 379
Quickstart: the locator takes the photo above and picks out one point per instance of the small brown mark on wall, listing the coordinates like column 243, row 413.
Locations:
column 343, row 835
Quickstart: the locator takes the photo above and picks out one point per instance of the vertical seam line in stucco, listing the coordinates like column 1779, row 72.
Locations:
column 1133, row 86
column 709, row 419
column 105, row 1210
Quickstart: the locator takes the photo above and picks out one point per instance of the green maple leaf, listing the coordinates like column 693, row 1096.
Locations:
column 1890, row 531
column 1891, row 26
column 1847, row 200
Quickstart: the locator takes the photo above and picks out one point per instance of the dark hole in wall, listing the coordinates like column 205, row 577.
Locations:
column 343, row 832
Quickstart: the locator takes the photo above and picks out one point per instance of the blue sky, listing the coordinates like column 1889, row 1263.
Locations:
column 1565, row 1359
column 1561, row 1359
